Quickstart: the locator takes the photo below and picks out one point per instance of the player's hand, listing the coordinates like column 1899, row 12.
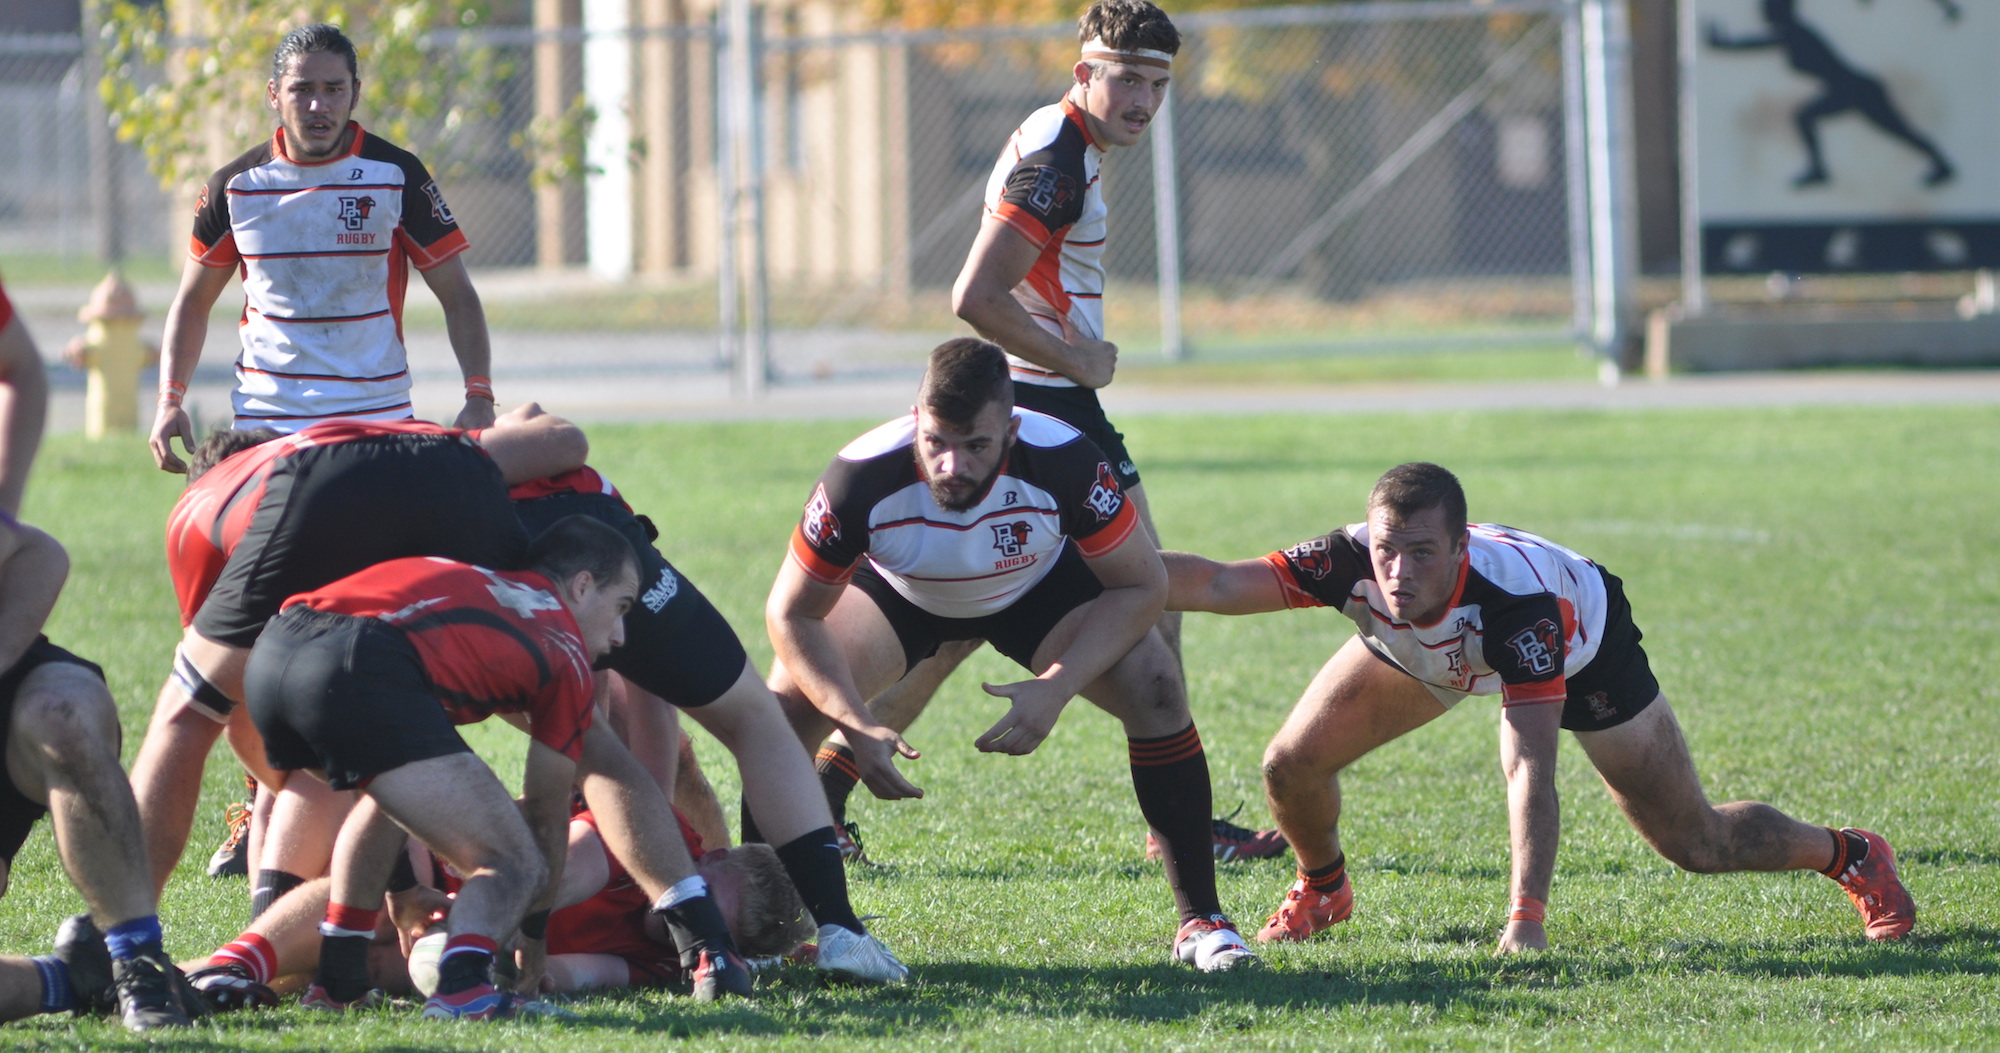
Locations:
column 1096, row 361
column 532, row 956
column 875, row 751
column 414, row 911
column 171, row 421
column 1036, row 707
column 478, row 413
column 1521, row 936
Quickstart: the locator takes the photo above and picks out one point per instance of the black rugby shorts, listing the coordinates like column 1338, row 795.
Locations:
column 1015, row 632
column 1079, row 408
column 330, row 511
column 18, row 813
column 1618, row 683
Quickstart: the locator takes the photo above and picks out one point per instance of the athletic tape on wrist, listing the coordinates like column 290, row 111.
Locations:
column 1528, row 908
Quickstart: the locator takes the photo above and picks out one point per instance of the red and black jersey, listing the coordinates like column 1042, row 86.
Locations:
column 324, row 248
column 1525, row 614
column 491, row 641
column 584, row 480
column 212, row 514
column 1054, row 488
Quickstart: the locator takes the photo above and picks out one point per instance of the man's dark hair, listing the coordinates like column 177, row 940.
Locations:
column 306, row 40
column 221, row 444
column 1128, row 25
column 580, row 543
column 1409, row 489
column 965, row 376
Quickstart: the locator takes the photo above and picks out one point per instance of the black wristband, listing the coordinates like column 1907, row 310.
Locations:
column 404, row 877
column 536, row 926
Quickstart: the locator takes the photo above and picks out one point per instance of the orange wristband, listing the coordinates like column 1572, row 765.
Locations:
column 477, row 387
column 1528, row 908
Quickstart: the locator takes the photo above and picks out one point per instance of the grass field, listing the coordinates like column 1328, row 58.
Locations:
column 1819, row 594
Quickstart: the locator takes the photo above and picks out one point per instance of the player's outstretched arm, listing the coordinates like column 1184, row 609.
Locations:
column 1528, row 735
column 33, row 567
column 527, row 442
column 796, row 616
column 1244, row 586
column 465, row 325
column 545, row 798
column 983, row 297
column 1135, row 591
column 23, row 413
column 180, row 351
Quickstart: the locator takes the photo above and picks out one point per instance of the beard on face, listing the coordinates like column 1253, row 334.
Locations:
column 975, row 489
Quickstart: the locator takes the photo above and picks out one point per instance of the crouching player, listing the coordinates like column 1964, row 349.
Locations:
column 61, row 753
column 1448, row 610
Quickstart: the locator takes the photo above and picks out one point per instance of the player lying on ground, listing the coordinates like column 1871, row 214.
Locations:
column 267, row 517
column 1447, row 610
column 970, row 519
column 601, row 933
column 61, row 754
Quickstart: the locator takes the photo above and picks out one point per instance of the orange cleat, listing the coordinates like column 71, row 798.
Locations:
column 1306, row 912
column 1887, row 911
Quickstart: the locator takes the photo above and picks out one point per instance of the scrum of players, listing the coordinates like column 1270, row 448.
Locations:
column 354, row 585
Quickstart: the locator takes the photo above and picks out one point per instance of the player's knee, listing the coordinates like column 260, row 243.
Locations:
column 72, row 722
column 1285, row 767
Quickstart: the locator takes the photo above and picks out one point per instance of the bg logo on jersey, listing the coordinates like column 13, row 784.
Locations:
column 1105, row 498
column 354, row 211
column 1536, row 647
column 1311, row 558
column 821, row 526
column 1011, row 539
column 1051, row 190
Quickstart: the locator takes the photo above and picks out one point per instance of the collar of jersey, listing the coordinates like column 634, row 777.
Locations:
column 353, row 148
column 1075, row 113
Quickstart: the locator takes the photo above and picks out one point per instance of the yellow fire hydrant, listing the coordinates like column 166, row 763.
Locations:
column 112, row 354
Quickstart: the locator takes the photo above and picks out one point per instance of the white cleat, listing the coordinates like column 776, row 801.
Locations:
column 1213, row 945
column 858, row 956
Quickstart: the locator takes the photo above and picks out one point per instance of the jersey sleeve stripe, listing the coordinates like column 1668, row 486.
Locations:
column 1112, row 534
column 220, row 254
column 428, row 257
column 816, row 566
column 1535, row 694
column 1024, row 221
column 1288, row 586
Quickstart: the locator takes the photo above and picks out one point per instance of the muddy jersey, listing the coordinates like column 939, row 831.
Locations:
column 1526, row 612
column 324, row 250
column 213, row 512
column 491, row 641
column 1053, row 488
column 1046, row 186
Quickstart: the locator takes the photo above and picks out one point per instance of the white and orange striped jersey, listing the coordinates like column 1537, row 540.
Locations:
column 1046, row 186
column 1053, row 488
column 1525, row 614
column 324, row 250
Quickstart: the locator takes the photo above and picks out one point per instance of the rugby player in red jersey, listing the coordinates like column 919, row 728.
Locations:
column 970, row 519
column 265, row 517
column 1447, row 610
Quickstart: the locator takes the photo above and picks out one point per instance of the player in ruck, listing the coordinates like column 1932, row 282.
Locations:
column 1034, row 284
column 59, row 739
column 323, row 220
column 265, row 517
column 1445, row 610
column 971, row 519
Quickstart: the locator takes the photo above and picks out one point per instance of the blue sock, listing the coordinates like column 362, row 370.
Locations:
column 57, row 995
column 129, row 939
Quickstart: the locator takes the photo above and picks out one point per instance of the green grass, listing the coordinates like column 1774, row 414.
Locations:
column 1818, row 588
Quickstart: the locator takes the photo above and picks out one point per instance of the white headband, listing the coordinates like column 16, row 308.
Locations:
column 1099, row 50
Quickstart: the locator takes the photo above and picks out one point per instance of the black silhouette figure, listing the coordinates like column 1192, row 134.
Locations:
column 1844, row 88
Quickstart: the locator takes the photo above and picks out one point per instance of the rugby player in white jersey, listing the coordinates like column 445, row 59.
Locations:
column 1445, row 610
column 1033, row 283
column 323, row 220
column 971, row 519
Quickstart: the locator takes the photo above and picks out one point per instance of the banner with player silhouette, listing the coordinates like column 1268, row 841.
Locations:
column 1845, row 135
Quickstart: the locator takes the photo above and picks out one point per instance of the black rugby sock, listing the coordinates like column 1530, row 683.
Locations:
column 271, row 886
column 751, row 835
column 343, row 967
column 1328, row 878
column 814, row 864
column 1170, row 777
column 1849, row 848
column 696, row 925
column 837, row 776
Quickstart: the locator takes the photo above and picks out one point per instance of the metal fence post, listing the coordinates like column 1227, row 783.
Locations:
column 728, row 349
column 1167, row 231
column 1576, row 177
column 744, row 227
column 105, row 194
column 1607, row 65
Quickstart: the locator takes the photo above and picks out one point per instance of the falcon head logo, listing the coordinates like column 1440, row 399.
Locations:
column 1310, row 558
column 821, row 526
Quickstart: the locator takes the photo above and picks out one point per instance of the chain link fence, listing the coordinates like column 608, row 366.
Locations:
column 1340, row 176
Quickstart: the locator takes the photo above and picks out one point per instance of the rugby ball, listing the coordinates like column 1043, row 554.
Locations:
column 424, row 955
